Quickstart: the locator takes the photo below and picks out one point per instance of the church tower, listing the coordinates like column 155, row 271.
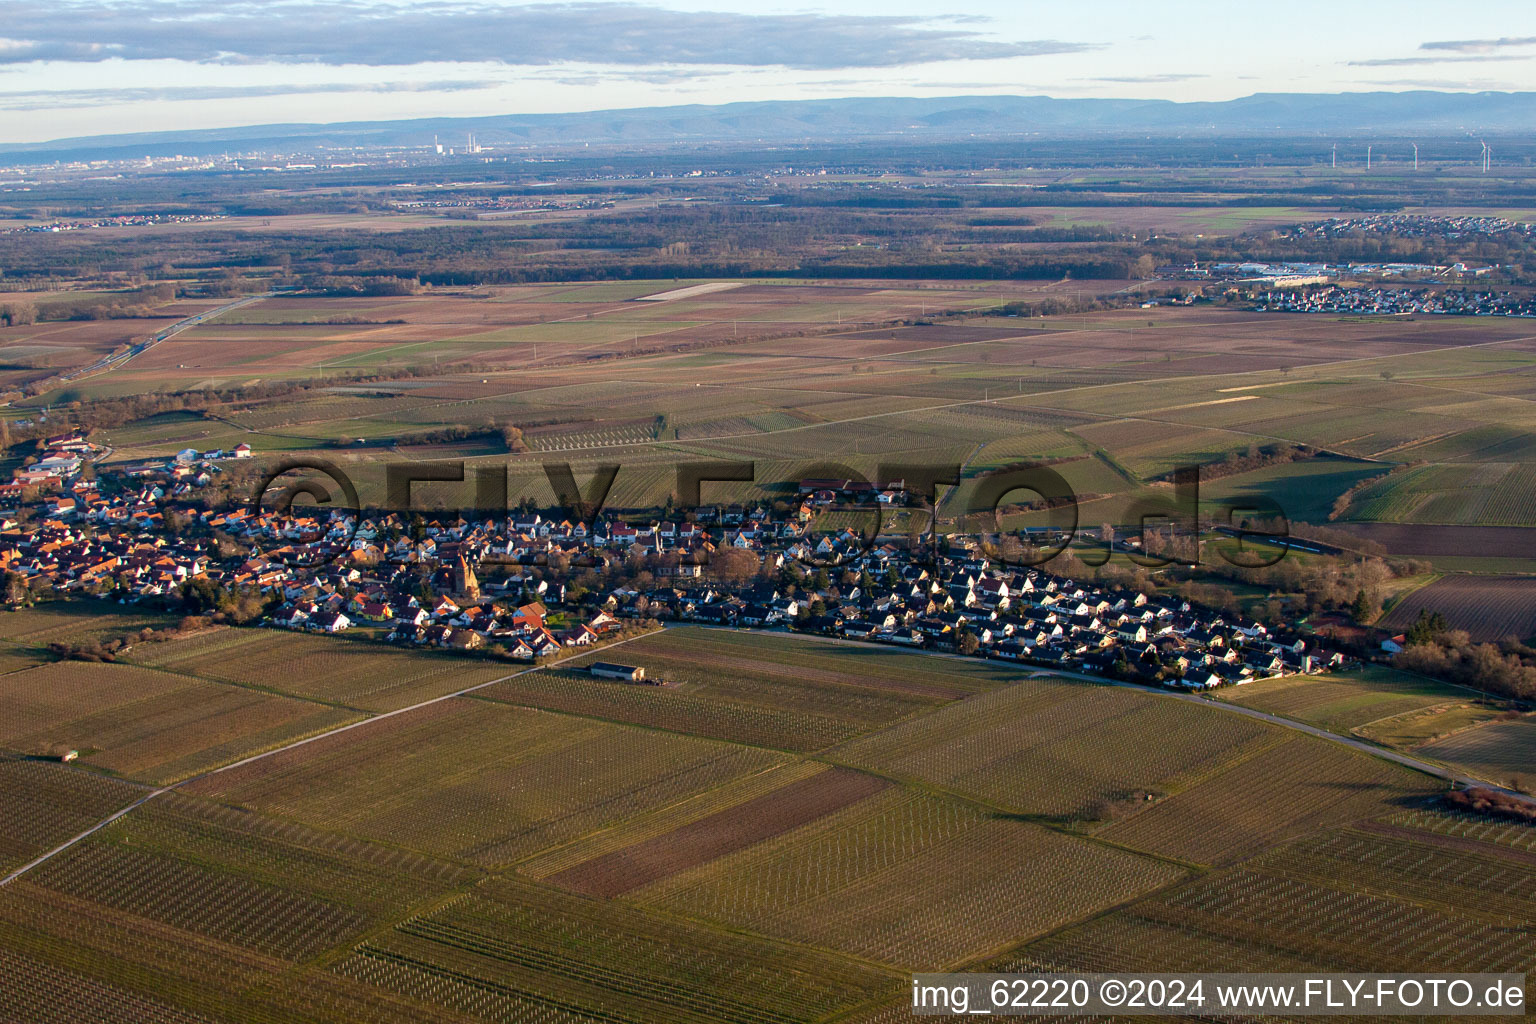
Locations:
column 464, row 582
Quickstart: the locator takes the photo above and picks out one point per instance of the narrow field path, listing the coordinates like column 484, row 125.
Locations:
column 161, row 791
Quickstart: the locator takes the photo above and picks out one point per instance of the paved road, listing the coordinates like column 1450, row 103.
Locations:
column 43, row 858
column 106, row 363
column 1439, row 771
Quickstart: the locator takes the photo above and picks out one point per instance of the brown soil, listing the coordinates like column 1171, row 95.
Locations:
column 718, row 834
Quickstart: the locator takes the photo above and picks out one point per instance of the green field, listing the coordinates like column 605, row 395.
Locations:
column 1345, row 701
column 1416, row 728
column 1484, row 494
column 1304, row 490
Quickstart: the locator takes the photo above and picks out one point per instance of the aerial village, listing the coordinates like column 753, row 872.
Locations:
column 528, row 585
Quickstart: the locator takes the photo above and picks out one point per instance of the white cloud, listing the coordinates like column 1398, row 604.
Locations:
column 1480, row 45
column 60, row 99
column 625, row 34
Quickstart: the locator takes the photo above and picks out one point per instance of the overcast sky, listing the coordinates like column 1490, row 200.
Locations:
column 98, row 66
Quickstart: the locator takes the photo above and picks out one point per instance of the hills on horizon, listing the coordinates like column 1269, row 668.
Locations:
column 776, row 122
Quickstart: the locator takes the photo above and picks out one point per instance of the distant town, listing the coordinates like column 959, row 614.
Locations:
column 143, row 221
column 1292, row 274
column 1397, row 301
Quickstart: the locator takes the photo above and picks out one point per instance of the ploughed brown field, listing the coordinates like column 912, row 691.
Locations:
column 762, row 324
column 36, row 350
column 723, row 832
column 1487, row 607
column 1416, row 540
column 289, row 336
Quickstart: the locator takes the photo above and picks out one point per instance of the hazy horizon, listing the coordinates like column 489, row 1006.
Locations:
column 84, row 67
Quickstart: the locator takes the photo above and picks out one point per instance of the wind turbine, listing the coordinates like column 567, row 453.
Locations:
column 1485, row 155
column 1335, row 156
column 1367, row 157
column 1415, row 156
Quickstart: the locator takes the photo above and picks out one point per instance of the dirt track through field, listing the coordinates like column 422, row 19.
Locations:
column 718, row 834
column 281, row 752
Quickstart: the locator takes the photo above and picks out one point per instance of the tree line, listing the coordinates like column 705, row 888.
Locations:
column 1432, row 648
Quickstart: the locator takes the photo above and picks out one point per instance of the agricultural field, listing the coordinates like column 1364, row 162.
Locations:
column 337, row 671
column 1304, row 490
column 484, row 782
column 1037, row 747
column 327, row 830
column 1342, row 702
column 788, row 826
column 1491, row 550
column 737, row 815
column 43, row 804
column 187, row 910
column 1480, row 494
column 1298, row 786
column 39, row 991
column 293, row 337
column 1393, row 898
column 13, row 659
column 1416, row 728
column 1500, row 751
column 126, row 967
column 509, row 949
column 908, row 879
column 1487, row 607
column 797, row 695
column 1139, row 391
column 1193, row 219
column 1151, row 449
column 1468, row 831
column 145, row 724
column 279, row 890
column 488, row 857
column 37, row 350
column 77, row 622
column 1477, row 881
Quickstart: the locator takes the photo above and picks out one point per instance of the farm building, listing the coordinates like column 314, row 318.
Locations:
column 608, row 670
